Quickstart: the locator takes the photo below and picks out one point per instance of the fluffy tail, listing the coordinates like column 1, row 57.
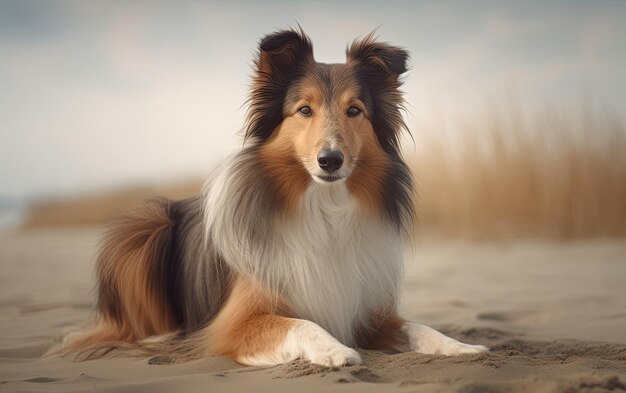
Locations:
column 135, row 276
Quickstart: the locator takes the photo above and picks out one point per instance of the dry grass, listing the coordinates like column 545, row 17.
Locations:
column 512, row 175
column 551, row 175
column 99, row 208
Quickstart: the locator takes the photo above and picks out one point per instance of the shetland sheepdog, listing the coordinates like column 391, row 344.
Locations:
column 294, row 247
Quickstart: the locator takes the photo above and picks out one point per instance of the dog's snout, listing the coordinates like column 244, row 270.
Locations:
column 330, row 160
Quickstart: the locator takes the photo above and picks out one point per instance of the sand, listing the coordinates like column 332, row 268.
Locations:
column 554, row 315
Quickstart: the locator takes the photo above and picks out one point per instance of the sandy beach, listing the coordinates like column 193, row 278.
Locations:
column 553, row 314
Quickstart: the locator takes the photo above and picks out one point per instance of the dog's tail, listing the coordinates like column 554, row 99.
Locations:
column 134, row 270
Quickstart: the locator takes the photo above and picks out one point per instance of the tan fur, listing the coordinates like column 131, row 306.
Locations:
column 133, row 264
column 308, row 135
column 250, row 323
column 289, row 176
column 127, row 262
column 295, row 144
column 366, row 181
column 131, row 293
column 253, row 323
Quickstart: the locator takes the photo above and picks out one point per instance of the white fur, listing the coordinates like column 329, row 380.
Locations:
column 332, row 263
column 426, row 340
column 306, row 340
column 342, row 265
column 329, row 261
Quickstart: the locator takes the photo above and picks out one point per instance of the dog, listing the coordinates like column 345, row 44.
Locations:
column 294, row 247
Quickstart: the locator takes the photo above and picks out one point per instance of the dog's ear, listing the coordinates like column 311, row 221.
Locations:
column 379, row 57
column 279, row 63
column 378, row 67
column 281, row 52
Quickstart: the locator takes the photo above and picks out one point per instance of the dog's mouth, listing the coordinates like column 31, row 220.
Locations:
column 327, row 178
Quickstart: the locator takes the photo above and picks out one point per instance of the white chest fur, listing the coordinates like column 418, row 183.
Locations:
column 341, row 265
column 331, row 263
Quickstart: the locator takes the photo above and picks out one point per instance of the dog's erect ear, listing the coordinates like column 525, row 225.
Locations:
column 379, row 57
column 280, row 52
column 378, row 67
column 279, row 63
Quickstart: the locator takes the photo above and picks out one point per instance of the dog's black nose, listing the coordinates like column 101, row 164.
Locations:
column 330, row 160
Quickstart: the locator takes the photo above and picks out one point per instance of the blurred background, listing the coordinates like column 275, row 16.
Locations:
column 518, row 146
column 516, row 108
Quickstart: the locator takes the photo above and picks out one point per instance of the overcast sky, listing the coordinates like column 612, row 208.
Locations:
column 96, row 94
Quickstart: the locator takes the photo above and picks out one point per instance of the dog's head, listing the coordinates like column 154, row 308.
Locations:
column 330, row 119
column 331, row 123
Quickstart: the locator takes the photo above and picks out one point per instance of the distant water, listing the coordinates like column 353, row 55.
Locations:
column 11, row 214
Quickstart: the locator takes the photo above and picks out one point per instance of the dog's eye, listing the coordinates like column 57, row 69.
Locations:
column 353, row 111
column 305, row 111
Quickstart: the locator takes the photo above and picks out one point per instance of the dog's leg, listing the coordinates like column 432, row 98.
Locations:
column 252, row 329
column 303, row 339
column 389, row 331
column 426, row 340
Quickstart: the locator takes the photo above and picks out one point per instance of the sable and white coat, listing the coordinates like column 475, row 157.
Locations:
column 294, row 248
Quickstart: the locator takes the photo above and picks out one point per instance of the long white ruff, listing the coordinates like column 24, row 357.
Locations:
column 330, row 262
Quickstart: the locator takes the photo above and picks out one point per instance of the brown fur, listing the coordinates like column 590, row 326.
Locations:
column 135, row 298
column 286, row 172
column 366, row 182
column 131, row 294
column 329, row 120
column 250, row 323
column 383, row 333
column 130, row 268
column 295, row 144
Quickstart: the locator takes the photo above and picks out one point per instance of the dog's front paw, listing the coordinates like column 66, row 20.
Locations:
column 426, row 340
column 319, row 347
column 338, row 356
